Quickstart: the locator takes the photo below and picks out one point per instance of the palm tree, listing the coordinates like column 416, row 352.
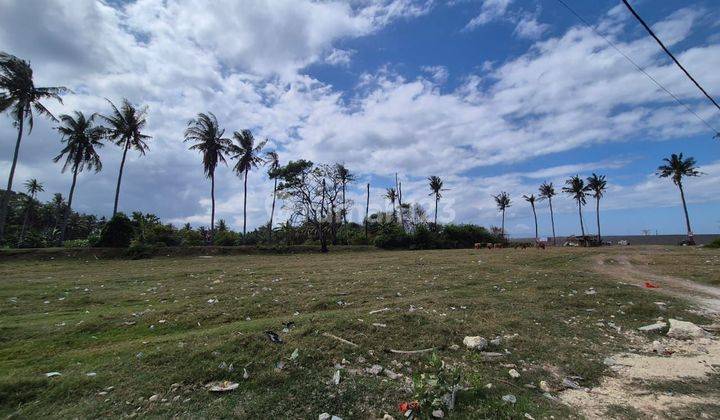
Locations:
column 391, row 195
column 503, row 202
column 248, row 156
column 531, row 199
column 207, row 135
column 575, row 188
column 345, row 177
column 597, row 185
column 125, row 125
column 676, row 168
column 436, row 187
column 547, row 192
column 19, row 96
column 33, row 187
column 81, row 138
column 273, row 162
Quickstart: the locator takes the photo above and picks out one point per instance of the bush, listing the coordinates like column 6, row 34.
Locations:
column 164, row 234
column 226, row 238
column 714, row 244
column 140, row 250
column 77, row 243
column 117, row 233
column 393, row 238
column 424, row 238
column 466, row 236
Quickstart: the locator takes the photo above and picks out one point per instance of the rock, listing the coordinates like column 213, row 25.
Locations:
column 475, row 342
column 657, row 347
column 454, row 347
column 390, row 374
column 388, row 417
column 154, row 398
column 438, row 414
column 544, row 386
column 53, row 374
column 336, row 377
column 683, row 330
column 374, row 370
column 569, row 383
column 497, row 341
column 324, row 416
column 222, row 386
column 609, row 361
column 509, row 398
column 529, row 417
column 653, row 327
column 514, row 373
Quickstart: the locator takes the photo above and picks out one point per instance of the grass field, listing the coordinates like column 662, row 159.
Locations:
column 152, row 327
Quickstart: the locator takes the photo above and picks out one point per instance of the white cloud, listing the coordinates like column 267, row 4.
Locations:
column 529, row 28
column 338, row 57
column 489, row 11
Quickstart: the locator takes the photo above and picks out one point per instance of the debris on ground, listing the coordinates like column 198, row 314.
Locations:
column 340, row 339
column 336, row 378
column 684, row 330
column 514, row 373
column 509, row 398
column 272, row 336
column 571, row 382
column 53, row 374
column 475, row 342
column 653, row 327
column 438, row 414
column 651, row 285
column 287, row 326
column 222, row 386
column 491, row 356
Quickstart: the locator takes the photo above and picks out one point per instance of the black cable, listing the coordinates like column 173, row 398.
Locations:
column 640, row 69
column 650, row 31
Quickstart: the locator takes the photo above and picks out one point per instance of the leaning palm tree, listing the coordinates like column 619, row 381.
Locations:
column 436, row 188
column 19, row 96
column 248, row 156
column 597, row 185
column 676, row 168
column 81, row 137
column 391, row 195
column 502, row 201
column 125, row 126
column 32, row 187
column 207, row 136
column 531, row 199
column 575, row 188
column 273, row 162
column 345, row 177
column 547, row 192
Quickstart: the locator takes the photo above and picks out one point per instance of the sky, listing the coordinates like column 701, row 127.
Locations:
column 490, row 95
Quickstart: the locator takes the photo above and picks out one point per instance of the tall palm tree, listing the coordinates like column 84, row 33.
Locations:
column 597, row 185
column 19, row 96
column 502, row 201
column 531, row 199
column 575, row 188
column 436, row 188
column 207, row 136
column 391, row 195
column 81, row 137
column 345, row 177
column 32, row 187
column 248, row 156
column 547, row 192
column 125, row 126
column 273, row 162
column 676, row 168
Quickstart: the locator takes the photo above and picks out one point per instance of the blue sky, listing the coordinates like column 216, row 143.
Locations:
column 491, row 95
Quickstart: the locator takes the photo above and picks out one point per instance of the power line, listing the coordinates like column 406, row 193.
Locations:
column 640, row 69
column 650, row 31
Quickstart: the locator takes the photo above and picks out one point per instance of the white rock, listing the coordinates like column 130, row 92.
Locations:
column 324, row 416
column 336, row 377
column 510, row 398
column 438, row 414
column 683, row 330
column 653, row 327
column 374, row 370
column 53, row 374
column 544, row 386
column 154, row 398
column 475, row 342
column 388, row 417
column 514, row 373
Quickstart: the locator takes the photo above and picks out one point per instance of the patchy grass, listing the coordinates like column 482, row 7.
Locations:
column 144, row 325
column 697, row 264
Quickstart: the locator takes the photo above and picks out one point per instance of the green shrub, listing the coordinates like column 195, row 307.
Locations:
column 424, row 238
column 77, row 243
column 226, row 238
column 140, row 250
column 117, row 233
column 465, row 236
column 393, row 237
column 714, row 244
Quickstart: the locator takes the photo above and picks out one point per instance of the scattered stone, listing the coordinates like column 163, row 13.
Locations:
column 497, row 341
column 374, row 370
column 529, row 417
column 379, row 325
column 653, row 327
column 569, row 383
column 390, row 374
column 53, row 374
column 609, row 361
column 336, row 377
column 544, row 386
column 154, row 398
column 454, row 347
column 491, row 356
column 475, row 342
column 388, row 417
column 222, row 386
column 324, row 416
column 509, row 398
column 683, row 330
column 438, row 414
column 514, row 373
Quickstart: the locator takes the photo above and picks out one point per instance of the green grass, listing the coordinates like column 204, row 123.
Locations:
column 145, row 325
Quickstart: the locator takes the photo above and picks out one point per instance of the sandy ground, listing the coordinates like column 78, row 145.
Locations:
column 683, row 360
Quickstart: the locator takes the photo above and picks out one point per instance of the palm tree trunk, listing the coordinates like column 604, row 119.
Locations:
column 245, row 206
column 582, row 225
column 394, row 213
column 552, row 220
column 597, row 215
column 367, row 210
column 344, row 209
column 212, row 211
column 536, row 225
column 6, row 197
column 436, row 203
column 272, row 212
column 24, row 225
column 691, row 239
column 502, row 228
column 122, row 165
column 68, row 209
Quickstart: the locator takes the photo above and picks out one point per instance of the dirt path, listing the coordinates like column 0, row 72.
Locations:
column 619, row 267
column 627, row 393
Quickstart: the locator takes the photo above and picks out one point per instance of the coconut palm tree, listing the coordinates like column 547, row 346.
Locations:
column 547, row 192
column 676, row 168
column 81, row 137
column 391, row 195
column 575, row 188
column 597, row 185
column 345, row 177
column 273, row 162
column 436, row 188
column 502, row 201
column 531, row 199
column 207, row 136
column 19, row 96
column 32, row 187
column 248, row 156
column 125, row 126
